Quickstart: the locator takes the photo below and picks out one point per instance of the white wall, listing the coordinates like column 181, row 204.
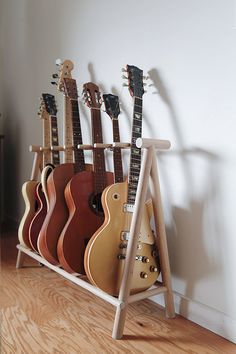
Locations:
column 188, row 48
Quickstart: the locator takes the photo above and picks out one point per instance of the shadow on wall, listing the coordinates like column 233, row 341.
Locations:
column 190, row 261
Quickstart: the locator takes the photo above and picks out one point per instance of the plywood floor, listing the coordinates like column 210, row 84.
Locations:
column 43, row 313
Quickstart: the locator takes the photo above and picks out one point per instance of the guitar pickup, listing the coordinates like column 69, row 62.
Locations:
column 128, row 208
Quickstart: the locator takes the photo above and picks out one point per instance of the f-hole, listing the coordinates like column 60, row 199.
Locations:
column 96, row 204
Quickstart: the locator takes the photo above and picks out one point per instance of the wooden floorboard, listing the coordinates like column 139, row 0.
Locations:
column 41, row 312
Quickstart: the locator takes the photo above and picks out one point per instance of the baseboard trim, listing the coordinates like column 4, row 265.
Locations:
column 203, row 315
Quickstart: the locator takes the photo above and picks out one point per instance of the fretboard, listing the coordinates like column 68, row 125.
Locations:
column 98, row 153
column 68, row 154
column 135, row 153
column 77, row 137
column 54, row 141
column 46, row 142
column 117, row 159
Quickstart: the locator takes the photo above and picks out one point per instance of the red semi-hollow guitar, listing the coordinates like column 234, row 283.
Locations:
column 83, row 196
column 37, row 222
column 31, row 190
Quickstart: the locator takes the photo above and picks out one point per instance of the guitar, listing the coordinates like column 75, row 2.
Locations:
column 50, row 111
column 30, row 189
column 106, row 251
column 83, row 196
column 113, row 110
column 58, row 213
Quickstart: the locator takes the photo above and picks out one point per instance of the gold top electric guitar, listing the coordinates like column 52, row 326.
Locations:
column 106, row 251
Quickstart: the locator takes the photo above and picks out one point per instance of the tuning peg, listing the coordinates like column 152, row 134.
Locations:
column 124, row 77
column 53, row 82
column 124, row 70
column 58, row 62
column 55, row 76
column 125, row 84
column 146, row 77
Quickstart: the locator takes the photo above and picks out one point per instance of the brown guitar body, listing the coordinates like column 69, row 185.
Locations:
column 83, row 221
column 31, row 206
column 38, row 219
column 103, row 259
column 57, row 212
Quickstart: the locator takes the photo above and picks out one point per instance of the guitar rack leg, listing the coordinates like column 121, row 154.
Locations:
column 20, row 259
column 132, row 244
column 161, row 239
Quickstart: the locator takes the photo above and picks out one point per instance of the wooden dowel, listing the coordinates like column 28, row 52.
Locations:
column 101, row 146
column 85, row 147
column 84, row 284
column 121, row 145
column 36, row 166
column 156, row 143
column 132, row 244
column 58, row 148
column 35, row 148
column 45, row 148
column 20, row 259
column 147, row 293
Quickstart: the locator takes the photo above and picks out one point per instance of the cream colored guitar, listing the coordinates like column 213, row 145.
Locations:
column 29, row 188
column 106, row 251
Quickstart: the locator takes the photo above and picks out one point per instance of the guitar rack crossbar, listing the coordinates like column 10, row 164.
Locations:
column 148, row 173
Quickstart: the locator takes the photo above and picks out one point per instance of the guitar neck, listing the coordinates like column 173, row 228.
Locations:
column 54, row 140
column 98, row 154
column 46, row 141
column 117, row 158
column 68, row 154
column 77, row 137
column 135, row 153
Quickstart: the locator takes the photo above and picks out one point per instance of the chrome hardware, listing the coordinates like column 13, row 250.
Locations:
column 123, row 245
column 125, row 235
column 55, row 76
column 121, row 256
column 143, row 275
column 125, row 85
column 128, row 208
column 124, row 70
column 153, row 269
column 139, row 258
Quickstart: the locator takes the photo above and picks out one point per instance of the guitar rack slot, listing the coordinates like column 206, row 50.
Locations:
column 148, row 177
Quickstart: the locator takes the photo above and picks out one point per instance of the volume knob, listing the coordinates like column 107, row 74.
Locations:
column 153, row 269
column 143, row 275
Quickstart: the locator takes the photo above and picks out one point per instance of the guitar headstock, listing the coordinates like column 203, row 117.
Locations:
column 135, row 81
column 65, row 69
column 112, row 105
column 92, row 95
column 70, row 88
column 47, row 106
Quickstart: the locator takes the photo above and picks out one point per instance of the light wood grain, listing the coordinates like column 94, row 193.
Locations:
column 43, row 313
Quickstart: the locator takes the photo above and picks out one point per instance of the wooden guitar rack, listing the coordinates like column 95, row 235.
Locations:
column 148, row 172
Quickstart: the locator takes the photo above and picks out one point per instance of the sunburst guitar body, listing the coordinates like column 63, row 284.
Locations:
column 106, row 251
